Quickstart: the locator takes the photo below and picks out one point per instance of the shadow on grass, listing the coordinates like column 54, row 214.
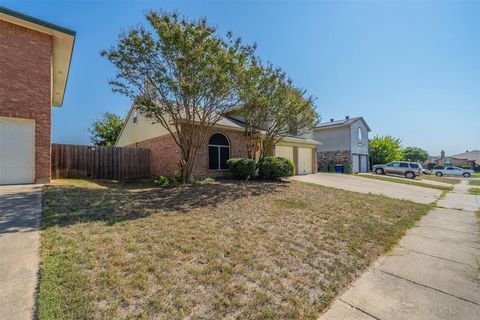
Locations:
column 114, row 202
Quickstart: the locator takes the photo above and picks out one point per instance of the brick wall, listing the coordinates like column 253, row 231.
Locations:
column 25, row 86
column 165, row 155
column 237, row 150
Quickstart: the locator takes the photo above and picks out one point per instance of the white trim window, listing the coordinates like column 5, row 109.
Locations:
column 218, row 152
column 360, row 136
column 134, row 117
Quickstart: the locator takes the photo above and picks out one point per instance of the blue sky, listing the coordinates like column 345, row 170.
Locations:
column 411, row 69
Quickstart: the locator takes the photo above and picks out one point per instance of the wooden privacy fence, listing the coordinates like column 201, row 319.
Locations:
column 93, row 162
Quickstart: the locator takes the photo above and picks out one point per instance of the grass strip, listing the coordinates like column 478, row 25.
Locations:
column 408, row 182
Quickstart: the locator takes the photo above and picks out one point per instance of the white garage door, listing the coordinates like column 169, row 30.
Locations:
column 355, row 163
column 304, row 160
column 17, row 138
column 282, row 151
column 363, row 164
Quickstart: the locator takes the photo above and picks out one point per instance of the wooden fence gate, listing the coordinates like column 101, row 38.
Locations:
column 93, row 162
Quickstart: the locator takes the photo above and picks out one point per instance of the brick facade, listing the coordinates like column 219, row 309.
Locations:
column 237, row 150
column 25, row 86
column 165, row 155
column 328, row 157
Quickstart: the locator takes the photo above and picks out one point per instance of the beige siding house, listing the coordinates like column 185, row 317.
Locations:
column 226, row 141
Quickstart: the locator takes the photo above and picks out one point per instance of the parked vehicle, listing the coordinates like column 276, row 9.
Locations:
column 408, row 169
column 425, row 171
column 453, row 171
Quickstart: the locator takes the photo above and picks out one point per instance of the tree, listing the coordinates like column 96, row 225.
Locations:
column 385, row 149
column 105, row 130
column 180, row 74
column 272, row 108
column 415, row 154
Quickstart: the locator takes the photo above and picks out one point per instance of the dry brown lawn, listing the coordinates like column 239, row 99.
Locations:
column 229, row 250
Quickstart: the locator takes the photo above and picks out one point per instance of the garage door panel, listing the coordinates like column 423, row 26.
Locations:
column 284, row 151
column 16, row 151
column 355, row 163
column 304, row 160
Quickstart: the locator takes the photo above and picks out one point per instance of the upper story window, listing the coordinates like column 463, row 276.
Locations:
column 134, row 117
column 360, row 136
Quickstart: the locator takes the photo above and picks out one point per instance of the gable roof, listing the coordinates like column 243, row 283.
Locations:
column 63, row 41
column 230, row 124
column 470, row 155
column 341, row 123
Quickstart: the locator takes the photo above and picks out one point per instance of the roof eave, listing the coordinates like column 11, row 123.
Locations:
column 63, row 43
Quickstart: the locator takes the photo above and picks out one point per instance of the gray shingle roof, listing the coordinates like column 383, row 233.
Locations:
column 340, row 123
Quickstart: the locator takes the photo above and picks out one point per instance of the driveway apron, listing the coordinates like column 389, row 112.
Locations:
column 432, row 274
column 20, row 210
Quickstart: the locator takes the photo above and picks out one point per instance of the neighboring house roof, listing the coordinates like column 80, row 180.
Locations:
column 340, row 123
column 63, row 42
column 469, row 155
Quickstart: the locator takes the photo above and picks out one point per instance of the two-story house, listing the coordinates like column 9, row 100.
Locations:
column 343, row 141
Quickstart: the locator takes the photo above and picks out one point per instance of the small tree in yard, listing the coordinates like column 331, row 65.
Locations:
column 272, row 104
column 385, row 149
column 180, row 74
column 415, row 154
column 105, row 131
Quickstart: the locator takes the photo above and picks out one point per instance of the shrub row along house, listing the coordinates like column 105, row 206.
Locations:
column 226, row 141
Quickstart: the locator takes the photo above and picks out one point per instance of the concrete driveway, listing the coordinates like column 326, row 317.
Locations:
column 20, row 210
column 365, row 185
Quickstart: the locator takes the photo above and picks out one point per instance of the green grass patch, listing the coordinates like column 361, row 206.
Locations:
column 407, row 181
column 474, row 191
column 474, row 182
column 219, row 251
column 440, row 179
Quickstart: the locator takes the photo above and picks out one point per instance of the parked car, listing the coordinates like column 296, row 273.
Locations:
column 453, row 171
column 408, row 169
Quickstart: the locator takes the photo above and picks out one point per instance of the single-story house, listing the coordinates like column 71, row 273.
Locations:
column 342, row 142
column 226, row 141
column 466, row 159
column 34, row 64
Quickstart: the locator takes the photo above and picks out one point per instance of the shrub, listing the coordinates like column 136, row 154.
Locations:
column 331, row 167
column 438, row 167
column 162, row 181
column 242, row 168
column 275, row 168
column 323, row 168
column 347, row 168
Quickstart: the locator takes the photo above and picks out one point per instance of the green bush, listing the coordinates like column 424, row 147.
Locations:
column 207, row 180
column 242, row 168
column 347, row 168
column 162, row 181
column 323, row 168
column 331, row 167
column 438, row 167
column 275, row 168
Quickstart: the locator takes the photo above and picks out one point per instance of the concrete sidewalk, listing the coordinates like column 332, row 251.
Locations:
column 20, row 210
column 430, row 275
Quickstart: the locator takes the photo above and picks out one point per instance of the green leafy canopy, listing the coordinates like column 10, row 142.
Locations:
column 105, row 130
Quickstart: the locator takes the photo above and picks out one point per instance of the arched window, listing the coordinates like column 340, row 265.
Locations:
column 218, row 152
column 360, row 136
